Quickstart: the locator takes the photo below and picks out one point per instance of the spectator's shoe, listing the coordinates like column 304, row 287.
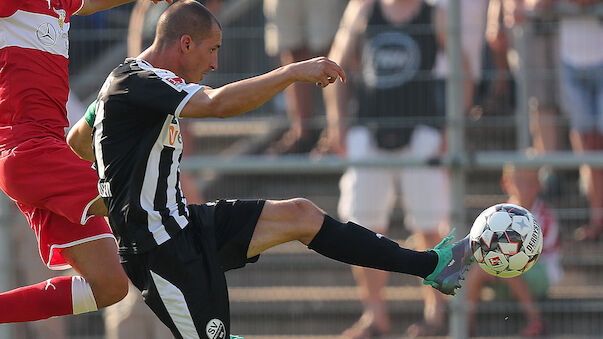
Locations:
column 589, row 232
column 424, row 329
column 453, row 261
column 534, row 329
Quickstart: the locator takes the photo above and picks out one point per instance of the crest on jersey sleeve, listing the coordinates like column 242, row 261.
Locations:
column 62, row 16
column 171, row 79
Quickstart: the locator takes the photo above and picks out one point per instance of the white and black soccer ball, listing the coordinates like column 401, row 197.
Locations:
column 506, row 240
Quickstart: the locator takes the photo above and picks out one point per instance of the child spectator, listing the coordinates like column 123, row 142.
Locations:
column 523, row 188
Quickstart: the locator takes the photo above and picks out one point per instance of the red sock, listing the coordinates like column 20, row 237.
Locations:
column 35, row 302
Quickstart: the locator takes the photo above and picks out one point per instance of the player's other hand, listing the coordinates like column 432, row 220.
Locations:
column 321, row 71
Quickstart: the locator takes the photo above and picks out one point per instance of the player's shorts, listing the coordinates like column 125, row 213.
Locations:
column 294, row 24
column 54, row 189
column 182, row 280
column 582, row 93
column 368, row 194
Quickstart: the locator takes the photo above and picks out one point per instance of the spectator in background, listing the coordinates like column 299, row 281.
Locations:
column 297, row 30
column 582, row 92
column 523, row 188
column 473, row 25
column 389, row 47
column 522, row 33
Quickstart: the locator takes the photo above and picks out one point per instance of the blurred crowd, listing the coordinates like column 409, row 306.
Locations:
column 536, row 63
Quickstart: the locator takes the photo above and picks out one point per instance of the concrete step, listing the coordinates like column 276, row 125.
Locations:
column 327, row 317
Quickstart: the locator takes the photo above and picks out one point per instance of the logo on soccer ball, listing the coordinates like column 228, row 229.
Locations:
column 215, row 329
column 495, row 261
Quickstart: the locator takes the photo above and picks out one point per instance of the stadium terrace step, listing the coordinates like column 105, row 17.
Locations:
column 328, row 317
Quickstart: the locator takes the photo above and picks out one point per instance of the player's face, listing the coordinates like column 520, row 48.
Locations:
column 204, row 55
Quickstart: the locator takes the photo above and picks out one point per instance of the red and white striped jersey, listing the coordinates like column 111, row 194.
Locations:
column 549, row 226
column 34, row 84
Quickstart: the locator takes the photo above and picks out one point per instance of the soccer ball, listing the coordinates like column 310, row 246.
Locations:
column 506, row 240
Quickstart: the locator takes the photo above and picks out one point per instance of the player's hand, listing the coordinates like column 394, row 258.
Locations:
column 321, row 71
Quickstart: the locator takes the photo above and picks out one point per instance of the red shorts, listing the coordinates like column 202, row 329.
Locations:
column 53, row 188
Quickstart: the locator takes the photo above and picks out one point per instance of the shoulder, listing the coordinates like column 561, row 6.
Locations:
column 146, row 71
column 357, row 12
column 8, row 8
column 73, row 6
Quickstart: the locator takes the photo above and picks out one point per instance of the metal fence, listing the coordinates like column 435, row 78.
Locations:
column 293, row 293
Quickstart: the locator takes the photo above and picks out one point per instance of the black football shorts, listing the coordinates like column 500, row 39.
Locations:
column 182, row 280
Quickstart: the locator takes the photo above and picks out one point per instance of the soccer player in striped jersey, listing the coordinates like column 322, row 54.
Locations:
column 54, row 189
column 175, row 253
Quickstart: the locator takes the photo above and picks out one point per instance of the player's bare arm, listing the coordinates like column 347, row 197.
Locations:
column 245, row 95
column 93, row 6
column 80, row 140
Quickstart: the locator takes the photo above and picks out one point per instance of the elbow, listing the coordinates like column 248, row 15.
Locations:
column 71, row 140
column 221, row 114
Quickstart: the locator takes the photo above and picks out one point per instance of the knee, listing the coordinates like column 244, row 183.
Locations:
column 110, row 288
column 304, row 210
column 306, row 217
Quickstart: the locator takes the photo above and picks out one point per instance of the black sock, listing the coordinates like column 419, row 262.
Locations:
column 353, row 244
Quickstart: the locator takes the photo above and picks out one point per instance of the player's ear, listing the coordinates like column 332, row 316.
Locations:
column 186, row 43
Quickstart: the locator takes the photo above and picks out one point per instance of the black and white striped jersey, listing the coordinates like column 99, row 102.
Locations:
column 138, row 148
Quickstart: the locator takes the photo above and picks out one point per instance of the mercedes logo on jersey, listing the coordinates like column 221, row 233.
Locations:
column 47, row 34
column 215, row 329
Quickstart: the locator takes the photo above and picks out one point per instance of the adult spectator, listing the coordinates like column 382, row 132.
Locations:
column 582, row 92
column 298, row 30
column 390, row 48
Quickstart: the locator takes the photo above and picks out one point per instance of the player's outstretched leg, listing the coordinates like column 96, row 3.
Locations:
column 453, row 261
column 299, row 219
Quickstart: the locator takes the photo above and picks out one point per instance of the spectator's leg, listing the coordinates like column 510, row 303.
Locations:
column 300, row 137
column 375, row 318
column 476, row 278
column 594, row 185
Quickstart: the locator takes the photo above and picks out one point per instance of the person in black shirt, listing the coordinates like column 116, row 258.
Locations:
column 175, row 253
column 390, row 49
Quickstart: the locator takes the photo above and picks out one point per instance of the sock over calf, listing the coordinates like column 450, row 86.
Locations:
column 353, row 244
column 53, row 297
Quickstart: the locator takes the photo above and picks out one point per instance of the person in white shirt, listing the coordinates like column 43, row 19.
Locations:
column 581, row 41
